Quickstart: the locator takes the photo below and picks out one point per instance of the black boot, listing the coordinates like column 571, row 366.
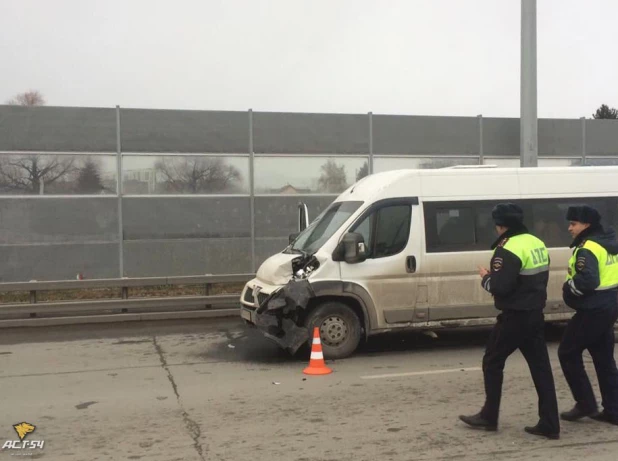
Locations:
column 605, row 418
column 577, row 413
column 537, row 430
column 478, row 422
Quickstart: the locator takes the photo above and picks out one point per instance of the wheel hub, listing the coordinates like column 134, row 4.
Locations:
column 333, row 331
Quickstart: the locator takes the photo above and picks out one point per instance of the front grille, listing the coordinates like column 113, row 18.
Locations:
column 248, row 296
column 261, row 297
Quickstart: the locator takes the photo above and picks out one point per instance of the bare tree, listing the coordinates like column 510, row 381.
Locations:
column 32, row 174
column 332, row 178
column 197, row 174
column 28, row 98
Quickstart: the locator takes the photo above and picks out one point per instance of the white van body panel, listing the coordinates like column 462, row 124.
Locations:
column 445, row 289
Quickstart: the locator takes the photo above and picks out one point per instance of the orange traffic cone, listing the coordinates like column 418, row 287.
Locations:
column 316, row 362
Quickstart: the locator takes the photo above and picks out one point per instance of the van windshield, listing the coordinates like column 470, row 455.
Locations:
column 324, row 226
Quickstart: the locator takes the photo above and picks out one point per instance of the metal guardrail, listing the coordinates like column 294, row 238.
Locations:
column 144, row 307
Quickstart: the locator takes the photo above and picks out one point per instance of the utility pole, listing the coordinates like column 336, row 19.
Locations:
column 528, row 118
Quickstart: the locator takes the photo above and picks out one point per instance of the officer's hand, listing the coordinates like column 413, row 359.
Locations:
column 483, row 272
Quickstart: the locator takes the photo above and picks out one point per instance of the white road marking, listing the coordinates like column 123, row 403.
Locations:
column 422, row 373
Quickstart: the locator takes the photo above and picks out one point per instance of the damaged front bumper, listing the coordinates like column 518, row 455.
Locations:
column 279, row 316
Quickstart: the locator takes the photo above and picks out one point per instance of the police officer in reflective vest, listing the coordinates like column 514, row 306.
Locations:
column 518, row 282
column 591, row 288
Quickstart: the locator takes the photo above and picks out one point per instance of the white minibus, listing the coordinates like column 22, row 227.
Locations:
column 401, row 249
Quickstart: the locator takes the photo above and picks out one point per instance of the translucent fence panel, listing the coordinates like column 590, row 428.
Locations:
column 55, row 238
column 602, row 161
column 501, row 136
column 57, row 129
column 187, row 195
column 417, row 135
column 278, row 216
column 296, row 133
column 35, row 220
column 276, row 175
column 395, row 163
column 158, row 258
column 186, row 235
column 602, row 137
column 168, row 218
column 185, row 174
column 503, row 162
column 156, row 130
column 57, row 174
column 515, row 162
column 22, row 263
column 560, row 137
column 560, row 162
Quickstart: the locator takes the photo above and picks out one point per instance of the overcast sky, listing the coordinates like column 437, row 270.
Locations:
column 420, row 57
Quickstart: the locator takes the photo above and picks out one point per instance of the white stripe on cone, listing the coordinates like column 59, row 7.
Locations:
column 317, row 356
column 316, row 341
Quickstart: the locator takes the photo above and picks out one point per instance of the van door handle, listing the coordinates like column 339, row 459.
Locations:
column 411, row 264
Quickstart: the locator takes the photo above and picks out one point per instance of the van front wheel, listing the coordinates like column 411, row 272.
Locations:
column 340, row 329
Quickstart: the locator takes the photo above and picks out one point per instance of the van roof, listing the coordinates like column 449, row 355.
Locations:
column 482, row 182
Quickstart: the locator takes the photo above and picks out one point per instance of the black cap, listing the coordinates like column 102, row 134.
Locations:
column 507, row 215
column 584, row 214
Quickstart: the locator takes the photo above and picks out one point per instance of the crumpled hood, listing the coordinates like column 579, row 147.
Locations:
column 607, row 239
column 276, row 270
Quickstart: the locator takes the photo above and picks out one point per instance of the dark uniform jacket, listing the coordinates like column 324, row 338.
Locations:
column 510, row 289
column 581, row 294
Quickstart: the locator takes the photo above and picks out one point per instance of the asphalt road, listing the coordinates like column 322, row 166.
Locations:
column 216, row 390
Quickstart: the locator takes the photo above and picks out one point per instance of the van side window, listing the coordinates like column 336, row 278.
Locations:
column 548, row 218
column 449, row 226
column 484, row 227
column 392, row 230
column 455, row 226
column 549, row 223
column 385, row 231
column 468, row 226
column 613, row 219
column 365, row 228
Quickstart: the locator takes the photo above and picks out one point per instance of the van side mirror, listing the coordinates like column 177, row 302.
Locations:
column 303, row 216
column 351, row 249
column 293, row 237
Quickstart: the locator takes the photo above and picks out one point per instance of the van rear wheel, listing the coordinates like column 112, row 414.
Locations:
column 340, row 329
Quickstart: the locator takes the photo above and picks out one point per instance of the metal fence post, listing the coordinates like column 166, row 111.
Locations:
column 370, row 142
column 252, row 188
column 481, row 153
column 119, row 193
column 583, row 119
column 529, row 136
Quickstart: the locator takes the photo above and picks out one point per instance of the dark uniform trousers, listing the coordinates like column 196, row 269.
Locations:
column 523, row 330
column 593, row 330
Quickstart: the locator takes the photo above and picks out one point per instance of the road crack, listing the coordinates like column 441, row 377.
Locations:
column 195, row 432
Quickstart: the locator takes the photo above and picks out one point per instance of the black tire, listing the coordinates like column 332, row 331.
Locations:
column 340, row 329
